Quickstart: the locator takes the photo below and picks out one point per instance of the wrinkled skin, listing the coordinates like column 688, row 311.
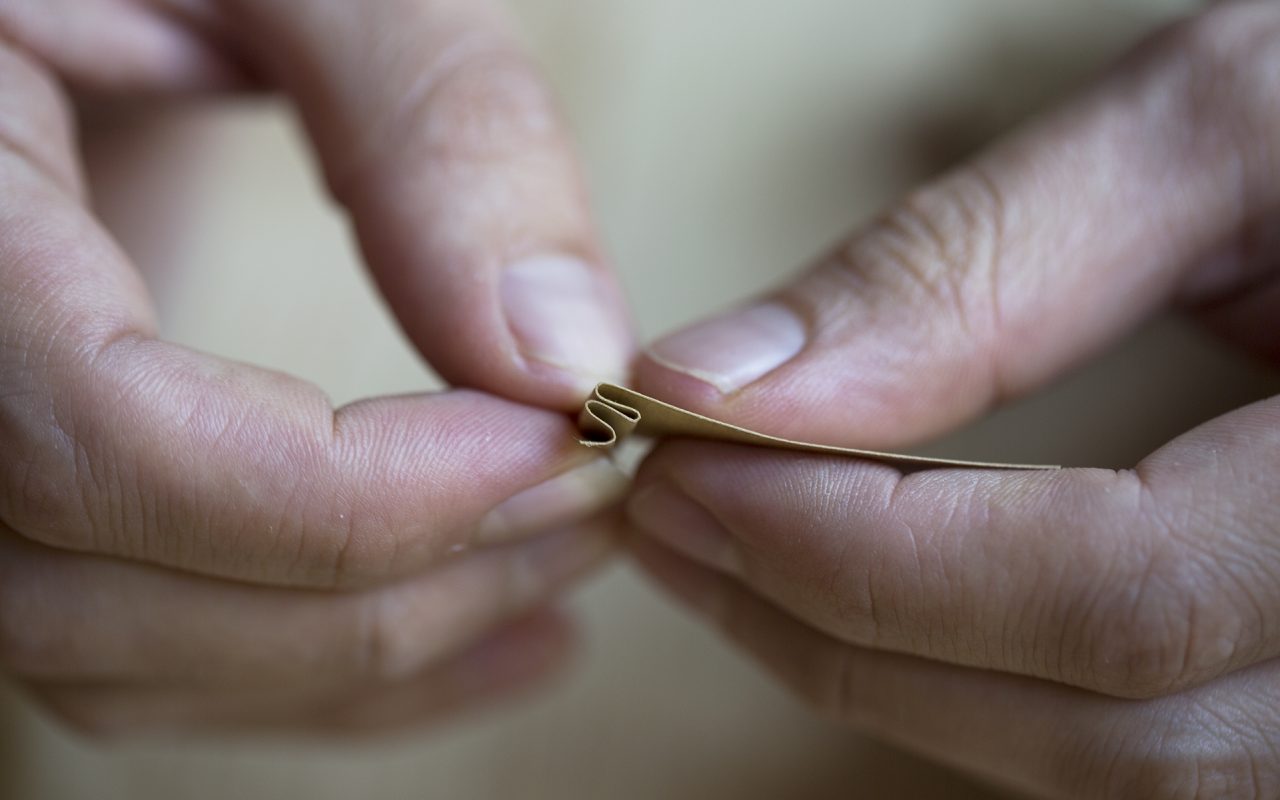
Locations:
column 1074, row 633
column 189, row 545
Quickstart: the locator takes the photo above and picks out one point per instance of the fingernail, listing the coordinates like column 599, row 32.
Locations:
column 734, row 349
column 563, row 313
column 567, row 497
column 670, row 516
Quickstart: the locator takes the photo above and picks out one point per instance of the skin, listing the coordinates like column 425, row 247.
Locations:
column 1075, row 633
column 189, row 545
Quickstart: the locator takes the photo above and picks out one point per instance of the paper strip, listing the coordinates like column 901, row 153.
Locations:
column 614, row 413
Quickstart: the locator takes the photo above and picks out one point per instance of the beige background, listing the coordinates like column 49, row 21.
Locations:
column 726, row 142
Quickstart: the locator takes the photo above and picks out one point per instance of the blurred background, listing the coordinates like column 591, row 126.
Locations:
column 726, row 143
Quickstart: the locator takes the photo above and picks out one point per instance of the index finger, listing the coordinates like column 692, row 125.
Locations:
column 1131, row 583
column 440, row 137
column 1002, row 274
column 121, row 444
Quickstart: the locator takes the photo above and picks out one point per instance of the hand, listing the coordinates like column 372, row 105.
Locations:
column 1083, row 632
column 188, row 544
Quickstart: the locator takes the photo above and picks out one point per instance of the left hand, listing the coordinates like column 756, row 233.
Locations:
column 1082, row 632
column 195, row 546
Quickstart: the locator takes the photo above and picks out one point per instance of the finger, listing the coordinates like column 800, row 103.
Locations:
column 1041, row 738
column 136, row 46
column 440, row 138
column 88, row 620
column 1134, row 583
column 513, row 661
column 1006, row 271
column 117, row 443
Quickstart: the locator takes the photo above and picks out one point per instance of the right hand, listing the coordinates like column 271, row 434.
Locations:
column 188, row 544
column 1072, row 633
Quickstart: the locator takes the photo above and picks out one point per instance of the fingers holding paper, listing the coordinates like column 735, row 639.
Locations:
column 1157, row 185
column 442, row 140
column 1144, row 581
column 1073, row 633
column 1077, row 632
column 1130, row 583
column 190, row 543
column 437, row 134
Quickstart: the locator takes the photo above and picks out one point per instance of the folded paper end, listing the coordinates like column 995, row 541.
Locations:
column 604, row 422
column 613, row 413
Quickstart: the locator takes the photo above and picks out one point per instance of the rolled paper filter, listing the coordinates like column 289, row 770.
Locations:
column 613, row 413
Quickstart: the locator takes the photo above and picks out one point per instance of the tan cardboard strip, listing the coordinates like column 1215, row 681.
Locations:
column 613, row 413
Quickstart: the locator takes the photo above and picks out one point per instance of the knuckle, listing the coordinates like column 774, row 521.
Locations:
column 1137, row 658
column 1191, row 758
column 1162, row 632
column 39, row 498
column 59, row 485
column 480, row 103
column 31, row 501
column 941, row 246
column 1226, row 57
column 364, row 553
column 1222, row 34
column 488, row 103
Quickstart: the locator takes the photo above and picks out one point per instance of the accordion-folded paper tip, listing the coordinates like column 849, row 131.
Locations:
column 614, row 413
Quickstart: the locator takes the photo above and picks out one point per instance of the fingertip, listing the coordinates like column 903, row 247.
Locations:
column 462, row 181
column 568, row 322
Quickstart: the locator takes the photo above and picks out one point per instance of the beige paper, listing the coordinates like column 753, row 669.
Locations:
column 614, row 413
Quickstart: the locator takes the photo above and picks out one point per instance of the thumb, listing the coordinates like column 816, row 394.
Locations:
column 437, row 134
column 1005, row 272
